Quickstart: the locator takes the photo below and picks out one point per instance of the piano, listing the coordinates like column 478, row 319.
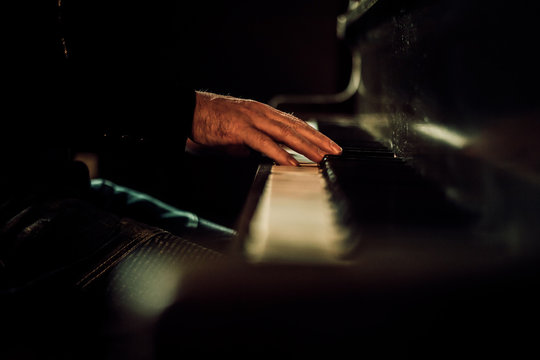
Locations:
column 422, row 239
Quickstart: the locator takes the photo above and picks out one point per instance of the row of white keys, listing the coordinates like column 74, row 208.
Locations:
column 294, row 220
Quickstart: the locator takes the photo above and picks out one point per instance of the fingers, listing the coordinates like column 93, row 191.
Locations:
column 287, row 135
column 263, row 143
column 221, row 120
column 322, row 141
column 297, row 134
column 316, row 137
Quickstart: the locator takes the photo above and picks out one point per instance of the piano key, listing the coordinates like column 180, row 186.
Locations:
column 294, row 220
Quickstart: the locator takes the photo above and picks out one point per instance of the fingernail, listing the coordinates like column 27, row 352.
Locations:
column 293, row 162
column 336, row 147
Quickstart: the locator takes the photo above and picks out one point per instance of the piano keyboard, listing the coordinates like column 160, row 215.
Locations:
column 294, row 220
column 320, row 212
column 375, row 188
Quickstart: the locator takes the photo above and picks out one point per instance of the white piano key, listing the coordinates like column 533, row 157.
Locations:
column 294, row 220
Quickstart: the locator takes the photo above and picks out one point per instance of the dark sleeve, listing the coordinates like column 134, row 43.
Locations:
column 124, row 77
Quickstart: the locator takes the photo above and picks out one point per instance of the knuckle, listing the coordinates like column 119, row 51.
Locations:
column 287, row 131
column 261, row 138
column 258, row 137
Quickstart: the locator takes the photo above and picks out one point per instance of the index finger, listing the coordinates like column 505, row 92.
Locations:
column 309, row 132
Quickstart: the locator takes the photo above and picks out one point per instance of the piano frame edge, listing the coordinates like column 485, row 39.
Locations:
column 252, row 200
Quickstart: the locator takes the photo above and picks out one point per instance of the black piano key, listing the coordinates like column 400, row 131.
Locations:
column 375, row 187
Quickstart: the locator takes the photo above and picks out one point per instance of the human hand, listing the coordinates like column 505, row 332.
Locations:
column 224, row 120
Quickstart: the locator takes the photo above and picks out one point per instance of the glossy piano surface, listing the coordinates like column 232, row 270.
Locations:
column 374, row 206
column 453, row 87
column 450, row 87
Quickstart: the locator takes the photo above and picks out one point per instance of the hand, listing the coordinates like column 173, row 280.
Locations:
column 224, row 120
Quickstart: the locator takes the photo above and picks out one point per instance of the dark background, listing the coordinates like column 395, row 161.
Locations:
column 259, row 49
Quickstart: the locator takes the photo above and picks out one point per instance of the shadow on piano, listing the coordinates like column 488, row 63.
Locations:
column 435, row 202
